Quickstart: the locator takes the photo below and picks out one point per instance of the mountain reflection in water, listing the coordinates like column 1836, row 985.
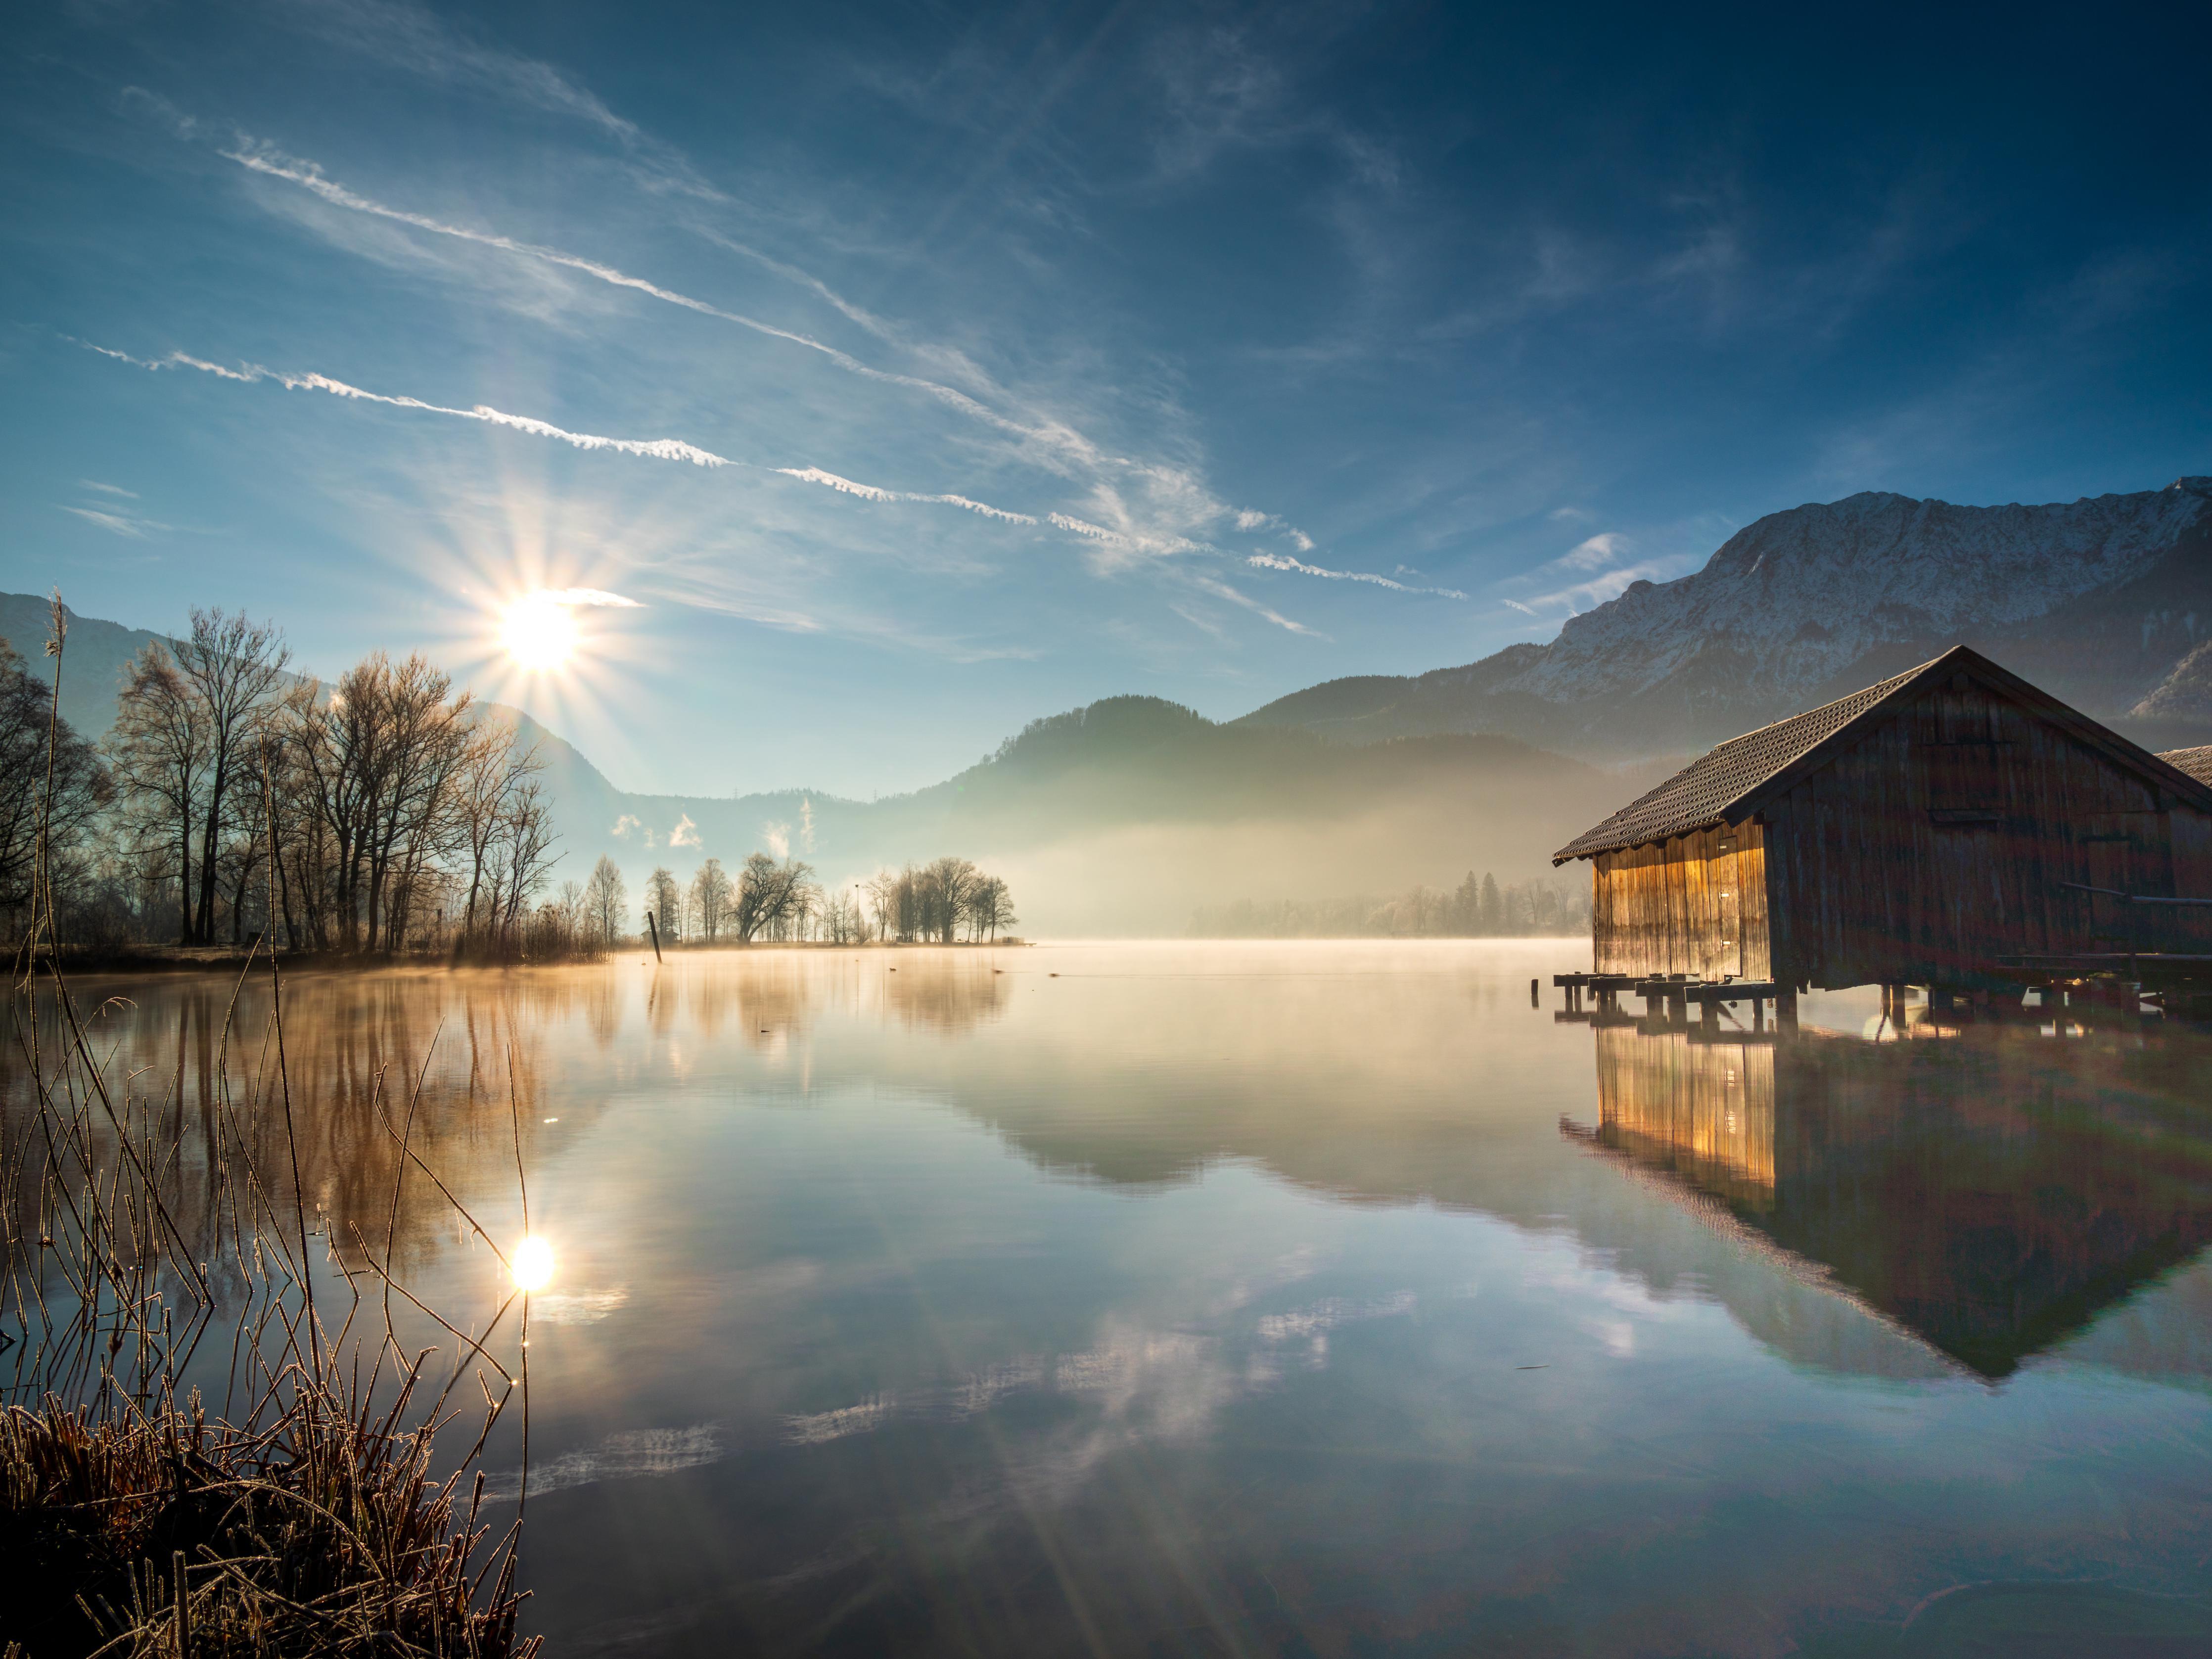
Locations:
column 1249, row 1299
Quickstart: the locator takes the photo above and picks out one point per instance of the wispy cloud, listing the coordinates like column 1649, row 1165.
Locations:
column 416, row 41
column 1581, row 596
column 122, row 523
column 108, row 488
column 1250, row 519
column 1284, row 562
column 1204, row 625
column 587, row 596
column 1593, row 553
column 685, row 834
column 1221, row 590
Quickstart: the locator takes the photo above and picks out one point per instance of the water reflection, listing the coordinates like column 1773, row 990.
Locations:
column 1991, row 1193
column 1250, row 1299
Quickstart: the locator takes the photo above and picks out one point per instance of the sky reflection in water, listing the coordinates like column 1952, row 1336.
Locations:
column 1317, row 1298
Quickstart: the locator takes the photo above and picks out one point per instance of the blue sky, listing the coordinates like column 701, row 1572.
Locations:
column 1135, row 323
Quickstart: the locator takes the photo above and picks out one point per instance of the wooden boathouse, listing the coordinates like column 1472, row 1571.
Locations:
column 1952, row 827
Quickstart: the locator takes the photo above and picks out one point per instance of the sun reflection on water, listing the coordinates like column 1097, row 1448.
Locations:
column 532, row 1265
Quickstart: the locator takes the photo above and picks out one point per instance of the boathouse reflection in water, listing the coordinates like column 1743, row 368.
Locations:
column 1990, row 1194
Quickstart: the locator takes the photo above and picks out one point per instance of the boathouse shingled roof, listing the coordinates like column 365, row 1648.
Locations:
column 1721, row 787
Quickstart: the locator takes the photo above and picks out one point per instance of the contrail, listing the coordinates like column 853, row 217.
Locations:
column 308, row 176
column 1284, row 561
column 815, row 475
column 658, row 449
column 1044, row 440
column 1136, row 541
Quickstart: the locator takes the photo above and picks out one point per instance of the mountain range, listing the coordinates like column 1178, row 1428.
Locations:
column 2104, row 602
column 1121, row 816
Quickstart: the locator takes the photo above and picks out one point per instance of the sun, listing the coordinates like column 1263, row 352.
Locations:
column 538, row 631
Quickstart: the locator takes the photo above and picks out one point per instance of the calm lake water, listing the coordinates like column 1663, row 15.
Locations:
column 1311, row 1298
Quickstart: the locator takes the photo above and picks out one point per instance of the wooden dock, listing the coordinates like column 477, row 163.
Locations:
column 1668, row 1000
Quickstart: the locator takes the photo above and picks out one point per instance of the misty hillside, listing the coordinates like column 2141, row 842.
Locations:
column 2106, row 602
column 1120, row 818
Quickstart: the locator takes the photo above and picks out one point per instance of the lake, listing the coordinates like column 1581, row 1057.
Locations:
column 1291, row 1298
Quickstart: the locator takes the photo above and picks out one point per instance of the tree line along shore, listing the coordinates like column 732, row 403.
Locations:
column 234, row 804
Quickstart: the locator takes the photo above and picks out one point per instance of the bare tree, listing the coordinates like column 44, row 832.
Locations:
column 383, row 755
column 842, row 922
column 159, row 747
column 606, row 899
column 80, row 787
column 769, row 896
column 883, row 891
column 494, row 771
column 663, row 900
column 945, row 885
column 232, row 668
column 711, row 894
column 523, row 857
column 990, row 906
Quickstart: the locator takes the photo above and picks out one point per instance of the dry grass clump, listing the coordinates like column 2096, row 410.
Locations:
column 323, row 1534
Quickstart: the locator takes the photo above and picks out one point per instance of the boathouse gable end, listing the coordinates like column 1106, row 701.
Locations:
column 1922, row 831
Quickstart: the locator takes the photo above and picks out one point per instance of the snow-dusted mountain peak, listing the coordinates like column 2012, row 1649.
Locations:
column 1797, row 598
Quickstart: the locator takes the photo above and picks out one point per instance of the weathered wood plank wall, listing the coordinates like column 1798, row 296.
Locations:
column 1942, row 839
column 1693, row 905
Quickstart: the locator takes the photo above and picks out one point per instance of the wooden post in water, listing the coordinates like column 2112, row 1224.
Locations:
column 656, row 933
